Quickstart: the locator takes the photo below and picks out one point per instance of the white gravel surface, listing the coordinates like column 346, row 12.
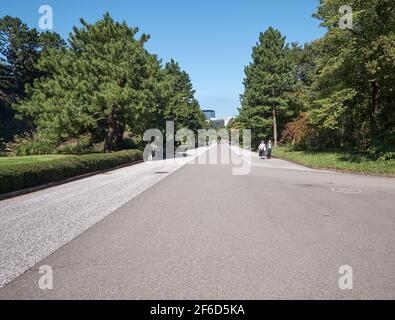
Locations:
column 35, row 225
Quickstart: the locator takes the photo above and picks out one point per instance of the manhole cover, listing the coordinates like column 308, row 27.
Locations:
column 346, row 190
column 306, row 185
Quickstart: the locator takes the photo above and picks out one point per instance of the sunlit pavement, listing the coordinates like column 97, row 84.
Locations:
column 35, row 225
column 280, row 232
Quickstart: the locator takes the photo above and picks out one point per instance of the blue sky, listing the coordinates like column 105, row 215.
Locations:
column 212, row 40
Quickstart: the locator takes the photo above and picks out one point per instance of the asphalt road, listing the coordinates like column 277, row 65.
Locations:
column 280, row 232
column 35, row 225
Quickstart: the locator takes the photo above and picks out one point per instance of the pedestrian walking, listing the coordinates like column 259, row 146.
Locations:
column 262, row 149
column 153, row 152
column 269, row 149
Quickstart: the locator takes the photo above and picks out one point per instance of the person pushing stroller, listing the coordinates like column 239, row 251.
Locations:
column 262, row 150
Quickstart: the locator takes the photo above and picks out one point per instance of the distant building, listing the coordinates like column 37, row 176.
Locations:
column 218, row 123
column 210, row 114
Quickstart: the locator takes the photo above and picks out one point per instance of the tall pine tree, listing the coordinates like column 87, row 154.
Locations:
column 20, row 49
column 105, row 82
column 178, row 99
column 268, row 78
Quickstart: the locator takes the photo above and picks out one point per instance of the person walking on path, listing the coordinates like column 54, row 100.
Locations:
column 153, row 151
column 262, row 149
column 269, row 149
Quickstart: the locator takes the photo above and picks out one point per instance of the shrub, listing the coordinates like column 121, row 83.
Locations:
column 131, row 141
column 97, row 147
column 27, row 175
column 28, row 144
column 298, row 132
column 381, row 151
column 75, row 146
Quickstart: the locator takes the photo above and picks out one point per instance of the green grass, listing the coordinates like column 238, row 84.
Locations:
column 30, row 159
column 341, row 161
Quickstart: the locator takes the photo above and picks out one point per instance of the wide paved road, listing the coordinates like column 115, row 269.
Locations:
column 281, row 231
column 35, row 225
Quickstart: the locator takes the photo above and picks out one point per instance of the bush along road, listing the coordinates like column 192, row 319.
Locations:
column 14, row 177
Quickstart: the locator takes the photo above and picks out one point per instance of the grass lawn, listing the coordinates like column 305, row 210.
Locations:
column 342, row 161
column 30, row 159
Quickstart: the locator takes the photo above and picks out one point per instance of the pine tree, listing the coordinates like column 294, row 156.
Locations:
column 105, row 82
column 20, row 50
column 268, row 78
column 179, row 103
column 19, row 47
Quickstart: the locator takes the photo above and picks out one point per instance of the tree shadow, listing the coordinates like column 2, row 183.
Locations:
column 353, row 158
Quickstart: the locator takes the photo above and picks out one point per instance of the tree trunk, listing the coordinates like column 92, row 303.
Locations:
column 110, row 133
column 119, row 131
column 375, row 97
column 342, row 131
column 375, row 108
column 275, row 126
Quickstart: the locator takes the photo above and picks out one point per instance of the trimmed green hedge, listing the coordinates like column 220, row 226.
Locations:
column 20, row 176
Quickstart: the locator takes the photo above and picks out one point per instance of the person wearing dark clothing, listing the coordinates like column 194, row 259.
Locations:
column 262, row 149
column 269, row 150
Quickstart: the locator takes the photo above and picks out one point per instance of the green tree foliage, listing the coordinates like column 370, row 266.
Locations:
column 20, row 49
column 103, row 83
column 51, row 40
column 344, row 83
column 354, row 89
column 269, row 79
column 178, row 101
column 305, row 61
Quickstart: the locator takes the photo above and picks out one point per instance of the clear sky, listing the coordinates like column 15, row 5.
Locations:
column 211, row 39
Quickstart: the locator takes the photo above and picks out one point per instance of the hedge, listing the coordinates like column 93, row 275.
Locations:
column 21, row 176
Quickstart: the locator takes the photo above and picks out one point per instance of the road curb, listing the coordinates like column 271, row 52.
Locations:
column 64, row 181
